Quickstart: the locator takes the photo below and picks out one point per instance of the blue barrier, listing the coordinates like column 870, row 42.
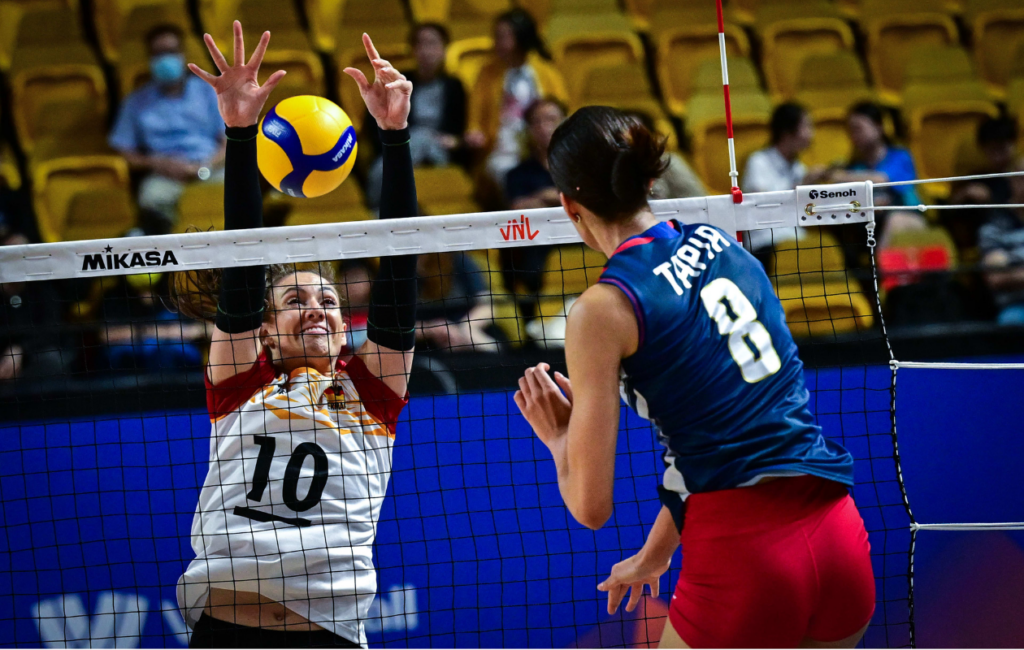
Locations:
column 474, row 546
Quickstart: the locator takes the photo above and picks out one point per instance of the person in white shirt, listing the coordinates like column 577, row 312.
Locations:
column 778, row 167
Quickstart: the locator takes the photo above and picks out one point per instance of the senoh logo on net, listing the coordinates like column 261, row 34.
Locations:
column 518, row 230
column 815, row 194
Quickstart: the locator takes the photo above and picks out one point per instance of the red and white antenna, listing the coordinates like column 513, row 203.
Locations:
column 737, row 195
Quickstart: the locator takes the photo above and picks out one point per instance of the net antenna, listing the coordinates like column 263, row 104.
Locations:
column 737, row 194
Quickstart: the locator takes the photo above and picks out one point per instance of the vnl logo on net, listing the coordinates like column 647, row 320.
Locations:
column 518, row 230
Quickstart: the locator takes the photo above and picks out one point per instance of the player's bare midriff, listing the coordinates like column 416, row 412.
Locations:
column 253, row 610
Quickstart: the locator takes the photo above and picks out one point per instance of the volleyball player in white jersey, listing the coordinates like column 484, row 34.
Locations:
column 300, row 448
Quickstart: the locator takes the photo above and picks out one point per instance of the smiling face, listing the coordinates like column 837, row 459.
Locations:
column 305, row 328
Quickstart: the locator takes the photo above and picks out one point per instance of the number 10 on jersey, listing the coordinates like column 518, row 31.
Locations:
column 750, row 344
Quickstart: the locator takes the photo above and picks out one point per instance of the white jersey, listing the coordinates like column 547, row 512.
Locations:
column 299, row 465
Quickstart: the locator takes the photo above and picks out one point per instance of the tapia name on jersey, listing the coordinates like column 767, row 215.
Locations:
column 686, row 262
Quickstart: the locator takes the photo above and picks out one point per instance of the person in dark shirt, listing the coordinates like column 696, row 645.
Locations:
column 529, row 186
column 996, row 153
column 451, row 312
column 30, row 319
column 140, row 332
column 437, row 117
column 1001, row 244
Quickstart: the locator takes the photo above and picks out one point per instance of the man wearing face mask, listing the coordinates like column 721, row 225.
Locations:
column 169, row 129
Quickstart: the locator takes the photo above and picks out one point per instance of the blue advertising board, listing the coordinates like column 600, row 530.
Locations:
column 475, row 548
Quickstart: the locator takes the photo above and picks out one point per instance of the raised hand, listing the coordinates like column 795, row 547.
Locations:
column 240, row 97
column 387, row 98
column 542, row 403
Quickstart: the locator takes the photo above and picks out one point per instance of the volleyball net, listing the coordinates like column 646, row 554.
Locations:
column 105, row 440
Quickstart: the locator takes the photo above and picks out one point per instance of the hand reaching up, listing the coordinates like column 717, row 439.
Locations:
column 239, row 95
column 387, row 98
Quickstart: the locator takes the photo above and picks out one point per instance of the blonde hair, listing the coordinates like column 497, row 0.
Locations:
column 194, row 294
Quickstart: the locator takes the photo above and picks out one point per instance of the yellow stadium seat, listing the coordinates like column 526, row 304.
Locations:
column 323, row 18
column 743, row 76
column 343, row 204
column 53, row 99
column 474, row 18
column 100, row 213
column 571, row 270
column 465, row 58
column 790, row 34
column 818, row 295
column 580, row 43
column 892, row 37
column 9, row 167
column 120, row 20
column 626, row 87
column 215, row 17
column 706, row 126
column 444, row 190
column 56, row 182
column 584, row 7
column 938, row 127
column 828, row 86
column 939, row 65
column 641, row 12
column 384, row 20
column 998, row 34
column 201, row 207
column 746, row 12
column 682, row 45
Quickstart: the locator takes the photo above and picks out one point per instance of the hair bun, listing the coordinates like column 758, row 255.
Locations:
column 642, row 161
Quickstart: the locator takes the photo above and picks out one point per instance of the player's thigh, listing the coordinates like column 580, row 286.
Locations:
column 846, row 579
column 670, row 638
column 848, row 642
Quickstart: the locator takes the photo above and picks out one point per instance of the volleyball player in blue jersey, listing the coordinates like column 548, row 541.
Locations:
column 685, row 324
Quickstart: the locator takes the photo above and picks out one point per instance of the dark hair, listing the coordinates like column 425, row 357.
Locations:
column 536, row 104
column 164, row 28
column 525, row 31
column 786, row 120
column 605, row 159
column 873, row 112
column 997, row 130
column 441, row 30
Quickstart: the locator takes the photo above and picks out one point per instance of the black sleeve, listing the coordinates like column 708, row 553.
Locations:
column 675, row 504
column 242, row 289
column 392, row 319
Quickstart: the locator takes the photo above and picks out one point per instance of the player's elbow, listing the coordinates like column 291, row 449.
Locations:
column 594, row 515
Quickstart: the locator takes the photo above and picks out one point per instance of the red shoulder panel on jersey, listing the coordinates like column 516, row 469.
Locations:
column 231, row 393
column 379, row 401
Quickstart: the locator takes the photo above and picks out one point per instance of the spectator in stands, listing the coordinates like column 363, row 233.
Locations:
column 679, row 181
column 15, row 216
column 29, row 325
column 169, row 129
column 529, row 186
column 876, row 159
column 453, row 313
column 778, row 167
column 141, row 333
column 997, row 145
column 518, row 74
column 437, row 119
column 1001, row 240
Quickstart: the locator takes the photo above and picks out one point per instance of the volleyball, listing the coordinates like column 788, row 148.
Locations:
column 306, row 146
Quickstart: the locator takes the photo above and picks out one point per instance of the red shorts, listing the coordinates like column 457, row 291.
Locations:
column 769, row 565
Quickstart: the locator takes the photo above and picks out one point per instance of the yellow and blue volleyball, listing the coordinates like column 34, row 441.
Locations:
column 306, row 146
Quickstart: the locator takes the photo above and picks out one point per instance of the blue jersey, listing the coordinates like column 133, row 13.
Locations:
column 716, row 368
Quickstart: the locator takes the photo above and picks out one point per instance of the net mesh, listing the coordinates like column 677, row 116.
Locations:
column 105, row 444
